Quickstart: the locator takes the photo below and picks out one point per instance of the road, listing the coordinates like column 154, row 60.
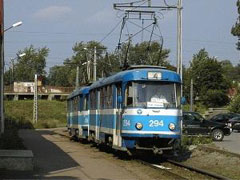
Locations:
column 230, row 143
column 56, row 157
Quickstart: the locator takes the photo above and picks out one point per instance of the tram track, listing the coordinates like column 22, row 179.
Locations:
column 174, row 169
column 170, row 171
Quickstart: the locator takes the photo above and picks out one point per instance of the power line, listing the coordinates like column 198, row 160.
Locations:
column 111, row 31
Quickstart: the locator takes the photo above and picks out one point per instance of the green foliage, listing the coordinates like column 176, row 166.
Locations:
column 235, row 105
column 146, row 54
column 61, row 76
column 210, row 84
column 236, row 28
column 215, row 98
column 51, row 114
column 107, row 63
column 33, row 62
column 195, row 140
column 197, row 107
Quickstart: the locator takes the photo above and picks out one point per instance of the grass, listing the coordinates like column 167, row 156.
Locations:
column 196, row 140
column 51, row 114
column 198, row 107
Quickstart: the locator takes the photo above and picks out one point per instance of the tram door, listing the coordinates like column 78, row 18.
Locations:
column 117, row 139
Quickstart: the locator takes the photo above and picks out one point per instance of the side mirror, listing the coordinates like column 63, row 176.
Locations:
column 120, row 99
column 183, row 100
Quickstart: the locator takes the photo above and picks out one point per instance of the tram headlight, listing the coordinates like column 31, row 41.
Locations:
column 171, row 126
column 139, row 126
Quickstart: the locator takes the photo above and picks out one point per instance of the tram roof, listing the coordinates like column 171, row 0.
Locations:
column 138, row 74
column 81, row 90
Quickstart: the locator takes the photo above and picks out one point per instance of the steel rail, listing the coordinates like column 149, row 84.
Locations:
column 177, row 176
column 174, row 175
column 198, row 170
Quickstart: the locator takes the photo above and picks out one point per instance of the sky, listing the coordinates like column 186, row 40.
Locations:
column 59, row 24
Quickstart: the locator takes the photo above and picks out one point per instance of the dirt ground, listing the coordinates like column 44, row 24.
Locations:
column 219, row 163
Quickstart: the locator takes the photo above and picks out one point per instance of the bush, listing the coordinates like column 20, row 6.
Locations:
column 215, row 98
column 235, row 105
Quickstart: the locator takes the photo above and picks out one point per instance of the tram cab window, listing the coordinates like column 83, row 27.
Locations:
column 152, row 94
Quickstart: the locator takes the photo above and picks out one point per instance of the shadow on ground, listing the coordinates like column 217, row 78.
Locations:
column 48, row 158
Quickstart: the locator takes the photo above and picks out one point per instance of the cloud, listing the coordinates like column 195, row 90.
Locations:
column 52, row 12
column 101, row 17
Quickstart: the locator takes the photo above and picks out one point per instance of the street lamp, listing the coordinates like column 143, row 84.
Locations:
column 2, row 70
column 14, row 25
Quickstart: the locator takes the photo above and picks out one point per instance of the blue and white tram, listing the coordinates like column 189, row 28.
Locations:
column 136, row 109
column 78, row 113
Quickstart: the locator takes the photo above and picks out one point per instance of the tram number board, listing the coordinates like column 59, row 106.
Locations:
column 155, row 75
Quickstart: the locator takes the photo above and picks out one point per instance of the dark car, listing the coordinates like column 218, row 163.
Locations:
column 224, row 118
column 195, row 124
column 235, row 123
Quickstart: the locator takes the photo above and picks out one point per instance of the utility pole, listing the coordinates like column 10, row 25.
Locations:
column 1, row 64
column 88, row 71
column 12, row 62
column 191, row 96
column 95, row 64
column 179, row 41
column 35, row 100
column 77, row 77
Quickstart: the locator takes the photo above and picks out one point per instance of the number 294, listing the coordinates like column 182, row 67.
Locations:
column 156, row 123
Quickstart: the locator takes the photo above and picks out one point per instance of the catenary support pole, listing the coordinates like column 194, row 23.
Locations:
column 179, row 40
column 2, row 65
column 95, row 65
column 191, row 96
column 35, row 100
column 77, row 77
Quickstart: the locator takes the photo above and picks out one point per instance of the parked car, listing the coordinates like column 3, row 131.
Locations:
column 235, row 123
column 224, row 118
column 195, row 124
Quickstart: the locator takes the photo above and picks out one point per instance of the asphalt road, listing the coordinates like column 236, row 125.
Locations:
column 230, row 143
column 56, row 157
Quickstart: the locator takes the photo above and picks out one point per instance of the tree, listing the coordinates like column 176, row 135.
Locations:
column 145, row 54
column 236, row 28
column 107, row 63
column 59, row 76
column 235, row 105
column 210, row 85
column 33, row 62
column 65, row 75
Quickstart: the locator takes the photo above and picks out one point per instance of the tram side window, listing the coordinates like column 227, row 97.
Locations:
column 102, row 98
column 129, row 95
column 93, row 99
column 80, row 100
column 75, row 104
column 108, row 97
column 85, row 103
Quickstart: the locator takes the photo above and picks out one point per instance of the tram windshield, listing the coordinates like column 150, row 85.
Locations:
column 152, row 95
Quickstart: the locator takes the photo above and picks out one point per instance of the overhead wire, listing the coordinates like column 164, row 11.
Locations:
column 140, row 31
column 115, row 27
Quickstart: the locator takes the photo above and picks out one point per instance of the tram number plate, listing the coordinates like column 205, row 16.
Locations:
column 156, row 123
column 126, row 122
